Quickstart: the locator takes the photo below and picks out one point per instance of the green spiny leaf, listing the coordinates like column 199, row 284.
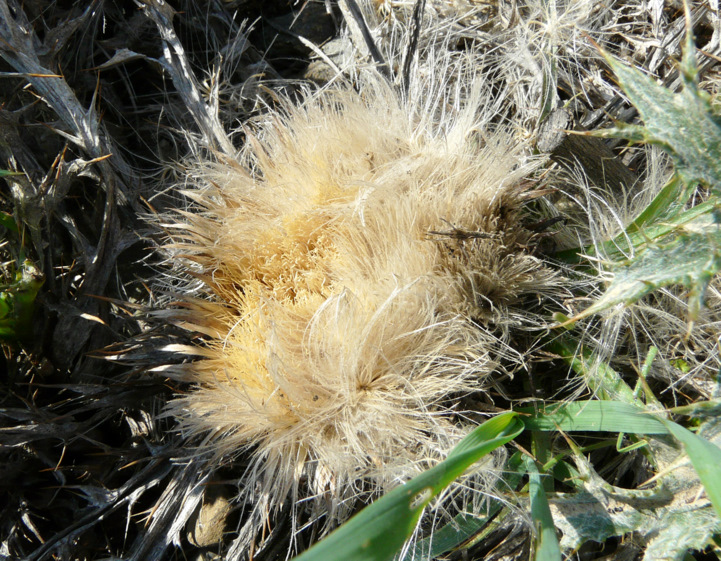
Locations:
column 690, row 259
column 683, row 123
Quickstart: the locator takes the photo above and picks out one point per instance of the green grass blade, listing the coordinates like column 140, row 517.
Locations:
column 465, row 527
column 7, row 221
column 705, row 457
column 8, row 173
column 452, row 535
column 644, row 229
column 665, row 206
column 611, row 416
column 547, row 547
column 378, row 532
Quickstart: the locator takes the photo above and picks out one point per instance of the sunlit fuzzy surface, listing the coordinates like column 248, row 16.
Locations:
column 361, row 271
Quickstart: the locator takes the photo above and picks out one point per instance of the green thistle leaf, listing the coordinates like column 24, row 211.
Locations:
column 683, row 123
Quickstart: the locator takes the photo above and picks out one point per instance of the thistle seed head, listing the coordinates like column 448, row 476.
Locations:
column 360, row 268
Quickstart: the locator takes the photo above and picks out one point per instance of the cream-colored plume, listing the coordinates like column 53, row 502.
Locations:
column 360, row 266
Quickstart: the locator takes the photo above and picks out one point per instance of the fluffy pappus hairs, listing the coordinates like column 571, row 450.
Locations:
column 364, row 265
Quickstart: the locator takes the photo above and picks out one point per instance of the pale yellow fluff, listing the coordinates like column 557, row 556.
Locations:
column 360, row 267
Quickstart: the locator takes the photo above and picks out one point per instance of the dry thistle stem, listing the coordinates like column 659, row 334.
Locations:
column 361, row 263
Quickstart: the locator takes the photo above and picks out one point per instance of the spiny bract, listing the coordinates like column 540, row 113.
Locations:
column 362, row 267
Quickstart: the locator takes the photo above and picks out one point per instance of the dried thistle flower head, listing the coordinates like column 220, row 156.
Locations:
column 361, row 265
